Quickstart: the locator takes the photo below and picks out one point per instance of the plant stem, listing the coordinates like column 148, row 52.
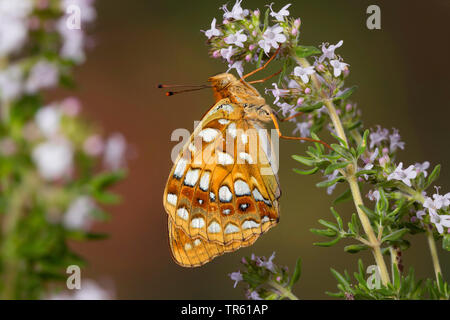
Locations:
column 284, row 292
column 10, row 257
column 434, row 254
column 351, row 178
column 417, row 196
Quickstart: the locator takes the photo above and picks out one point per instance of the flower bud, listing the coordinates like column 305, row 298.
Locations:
column 251, row 47
column 348, row 107
column 307, row 91
column 216, row 54
column 300, row 101
column 248, row 57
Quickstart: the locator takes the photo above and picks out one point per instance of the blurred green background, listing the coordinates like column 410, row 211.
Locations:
column 402, row 72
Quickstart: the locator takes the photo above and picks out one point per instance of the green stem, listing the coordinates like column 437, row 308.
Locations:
column 351, row 178
column 284, row 292
column 434, row 254
column 4, row 107
column 417, row 196
column 10, row 256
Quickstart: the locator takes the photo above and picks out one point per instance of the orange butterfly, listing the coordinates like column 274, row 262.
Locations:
column 223, row 190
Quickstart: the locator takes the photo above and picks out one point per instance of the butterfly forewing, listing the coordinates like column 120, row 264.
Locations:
column 216, row 196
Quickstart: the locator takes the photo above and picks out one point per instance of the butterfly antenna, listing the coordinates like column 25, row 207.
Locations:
column 191, row 88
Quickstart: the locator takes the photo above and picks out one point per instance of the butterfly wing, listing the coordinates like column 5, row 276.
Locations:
column 222, row 192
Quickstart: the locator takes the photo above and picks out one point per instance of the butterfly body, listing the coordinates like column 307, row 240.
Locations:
column 222, row 192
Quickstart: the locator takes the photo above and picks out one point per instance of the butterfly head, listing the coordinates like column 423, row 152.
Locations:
column 225, row 85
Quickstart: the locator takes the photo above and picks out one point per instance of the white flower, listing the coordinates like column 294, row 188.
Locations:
column 236, row 13
column 304, row 73
column 11, row 83
column 13, row 24
column 13, row 33
column 271, row 38
column 403, row 175
column 279, row 16
column 53, row 159
column 441, row 201
column 422, row 167
column 331, row 177
column 430, row 205
column 374, row 195
column 285, row 108
column 338, row 67
column 227, row 53
column 440, row 221
column 78, row 215
column 43, row 75
column 377, row 137
column 420, row 214
column 15, row 9
column 237, row 39
column 114, row 152
column 329, row 52
column 395, row 141
column 277, row 93
column 238, row 66
column 292, row 84
column 213, row 32
column 302, row 128
column 48, row 120
column 90, row 290
column 73, row 44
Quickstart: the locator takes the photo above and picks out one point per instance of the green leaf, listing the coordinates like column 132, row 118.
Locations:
column 433, row 176
column 363, row 145
column 297, row 273
column 81, row 235
column 327, row 183
column 342, row 151
column 322, row 232
column 337, row 217
column 345, row 94
column 335, row 166
column 396, row 235
column 105, row 180
column 327, row 244
column 329, row 224
column 306, row 172
column 306, row 161
column 340, row 278
column 310, row 108
column 446, row 242
column 306, row 51
column 345, row 196
column 107, row 197
column 355, row 248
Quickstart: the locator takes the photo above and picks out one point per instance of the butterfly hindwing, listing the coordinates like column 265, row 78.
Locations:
column 222, row 192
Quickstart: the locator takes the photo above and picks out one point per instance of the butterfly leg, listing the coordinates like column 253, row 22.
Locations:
column 277, row 127
column 266, row 78
column 291, row 117
column 264, row 66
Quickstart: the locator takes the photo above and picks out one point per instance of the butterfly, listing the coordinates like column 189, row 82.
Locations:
column 223, row 191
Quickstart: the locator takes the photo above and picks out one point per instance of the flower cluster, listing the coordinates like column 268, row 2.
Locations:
column 245, row 36
column 310, row 93
column 55, row 166
column 266, row 280
column 26, row 69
